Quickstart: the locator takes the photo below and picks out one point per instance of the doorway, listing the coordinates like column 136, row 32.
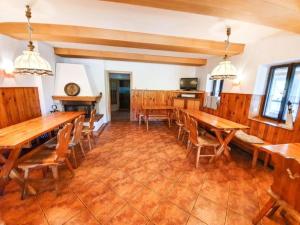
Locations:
column 119, row 84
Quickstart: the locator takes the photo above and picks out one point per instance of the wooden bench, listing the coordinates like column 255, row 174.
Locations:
column 255, row 148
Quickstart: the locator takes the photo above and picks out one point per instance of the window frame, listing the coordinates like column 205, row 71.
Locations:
column 288, row 85
column 213, row 92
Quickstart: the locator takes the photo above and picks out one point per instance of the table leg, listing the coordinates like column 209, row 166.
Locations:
column 8, row 166
column 223, row 149
column 9, row 172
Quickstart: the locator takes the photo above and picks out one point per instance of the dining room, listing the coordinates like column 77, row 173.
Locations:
column 120, row 112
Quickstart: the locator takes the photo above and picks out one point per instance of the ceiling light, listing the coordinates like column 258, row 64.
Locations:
column 225, row 70
column 30, row 62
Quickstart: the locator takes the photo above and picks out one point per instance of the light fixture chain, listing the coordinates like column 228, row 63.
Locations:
column 29, row 27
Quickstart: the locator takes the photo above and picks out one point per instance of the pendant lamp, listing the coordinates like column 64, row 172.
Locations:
column 30, row 62
column 225, row 70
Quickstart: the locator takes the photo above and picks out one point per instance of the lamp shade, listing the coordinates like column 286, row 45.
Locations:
column 224, row 71
column 31, row 63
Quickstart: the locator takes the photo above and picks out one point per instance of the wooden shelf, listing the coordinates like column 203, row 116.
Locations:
column 77, row 98
column 189, row 92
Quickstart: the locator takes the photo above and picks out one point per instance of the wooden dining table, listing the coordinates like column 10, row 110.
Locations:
column 284, row 191
column 223, row 128
column 13, row 138
column 157, row 112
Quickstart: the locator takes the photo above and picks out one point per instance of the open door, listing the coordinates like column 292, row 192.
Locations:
column 119, row 89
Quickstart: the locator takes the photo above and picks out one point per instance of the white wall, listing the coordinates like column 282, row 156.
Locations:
column 144, row 75
column 253, row 64
column 11, row 48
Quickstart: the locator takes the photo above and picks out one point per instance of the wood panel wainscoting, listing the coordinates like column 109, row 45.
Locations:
column 157, row 97
column 243, row 108
column 18, row 104
column 240, row 108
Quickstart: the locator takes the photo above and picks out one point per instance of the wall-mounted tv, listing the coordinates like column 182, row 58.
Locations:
column 188, row 84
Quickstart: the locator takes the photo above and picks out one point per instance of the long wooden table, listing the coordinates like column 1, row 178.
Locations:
column 150, row 111
column 284, row 190
column 223, row 128
column 12, row 138
column 291, row 150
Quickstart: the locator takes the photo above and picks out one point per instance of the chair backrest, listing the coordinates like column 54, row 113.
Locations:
column 78, row 125
column 63, row 139
column 92, row 119
column 178, row 116
column 186, row 120
column 286, row 180
column 193, row 127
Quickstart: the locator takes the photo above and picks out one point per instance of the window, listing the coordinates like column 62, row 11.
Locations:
column 283, row 87
column 217, row 87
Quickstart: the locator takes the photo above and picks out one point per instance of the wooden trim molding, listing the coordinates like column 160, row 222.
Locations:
column 122, row 56
column 100, row 36
column 77, row 98
column 279, row 14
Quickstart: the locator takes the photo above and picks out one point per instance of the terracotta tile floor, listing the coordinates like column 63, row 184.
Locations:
column 138, row 177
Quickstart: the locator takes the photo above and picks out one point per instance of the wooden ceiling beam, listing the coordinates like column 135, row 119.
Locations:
column 281, row 14
column 100, row 36
column 134, row 57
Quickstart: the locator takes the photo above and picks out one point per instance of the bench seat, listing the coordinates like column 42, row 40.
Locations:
column 255, row 148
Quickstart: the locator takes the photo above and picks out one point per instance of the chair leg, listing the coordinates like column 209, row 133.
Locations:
column 89, row 140
column 198, row 156
column 74, row 156
column 188, row 144
column 266, row 161
column 179, row 133
column 93, row 136
column 189, row 150
column 69, row 166
column 26, row 175
column 82, row 150
column 55, row 176
column 254, row 159
column 268, row 206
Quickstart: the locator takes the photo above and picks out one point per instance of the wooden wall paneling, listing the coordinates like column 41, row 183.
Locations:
column 178, row 103
column 233, row 106
column 18, row 104
column 239, row 107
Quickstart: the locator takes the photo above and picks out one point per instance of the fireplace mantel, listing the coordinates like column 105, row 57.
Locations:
column 77, row 98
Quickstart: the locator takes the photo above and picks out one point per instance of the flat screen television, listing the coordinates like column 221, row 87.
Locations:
column 188, row 84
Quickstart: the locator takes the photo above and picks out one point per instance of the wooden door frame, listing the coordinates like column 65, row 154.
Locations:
column 107, row 90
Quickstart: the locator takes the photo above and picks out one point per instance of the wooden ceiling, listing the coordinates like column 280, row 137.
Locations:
column 100, row 36
column 82, row 53
column 281, row 14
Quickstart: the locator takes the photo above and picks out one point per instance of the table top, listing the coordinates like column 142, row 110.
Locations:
column 214, row 121
column 291, row 150
column 21, row 133
column 157, row 107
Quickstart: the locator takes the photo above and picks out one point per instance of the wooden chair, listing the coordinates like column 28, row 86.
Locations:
column 186, row 127
column 88, row 131
column 200, row 142
column 178, row 121
column 285, row 190
column 76, row 138
column 43, row 157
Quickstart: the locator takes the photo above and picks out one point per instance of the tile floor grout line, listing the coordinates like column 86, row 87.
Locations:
column 45, row 216
column 227, row 208
column 196, row 202
column 86, row 208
